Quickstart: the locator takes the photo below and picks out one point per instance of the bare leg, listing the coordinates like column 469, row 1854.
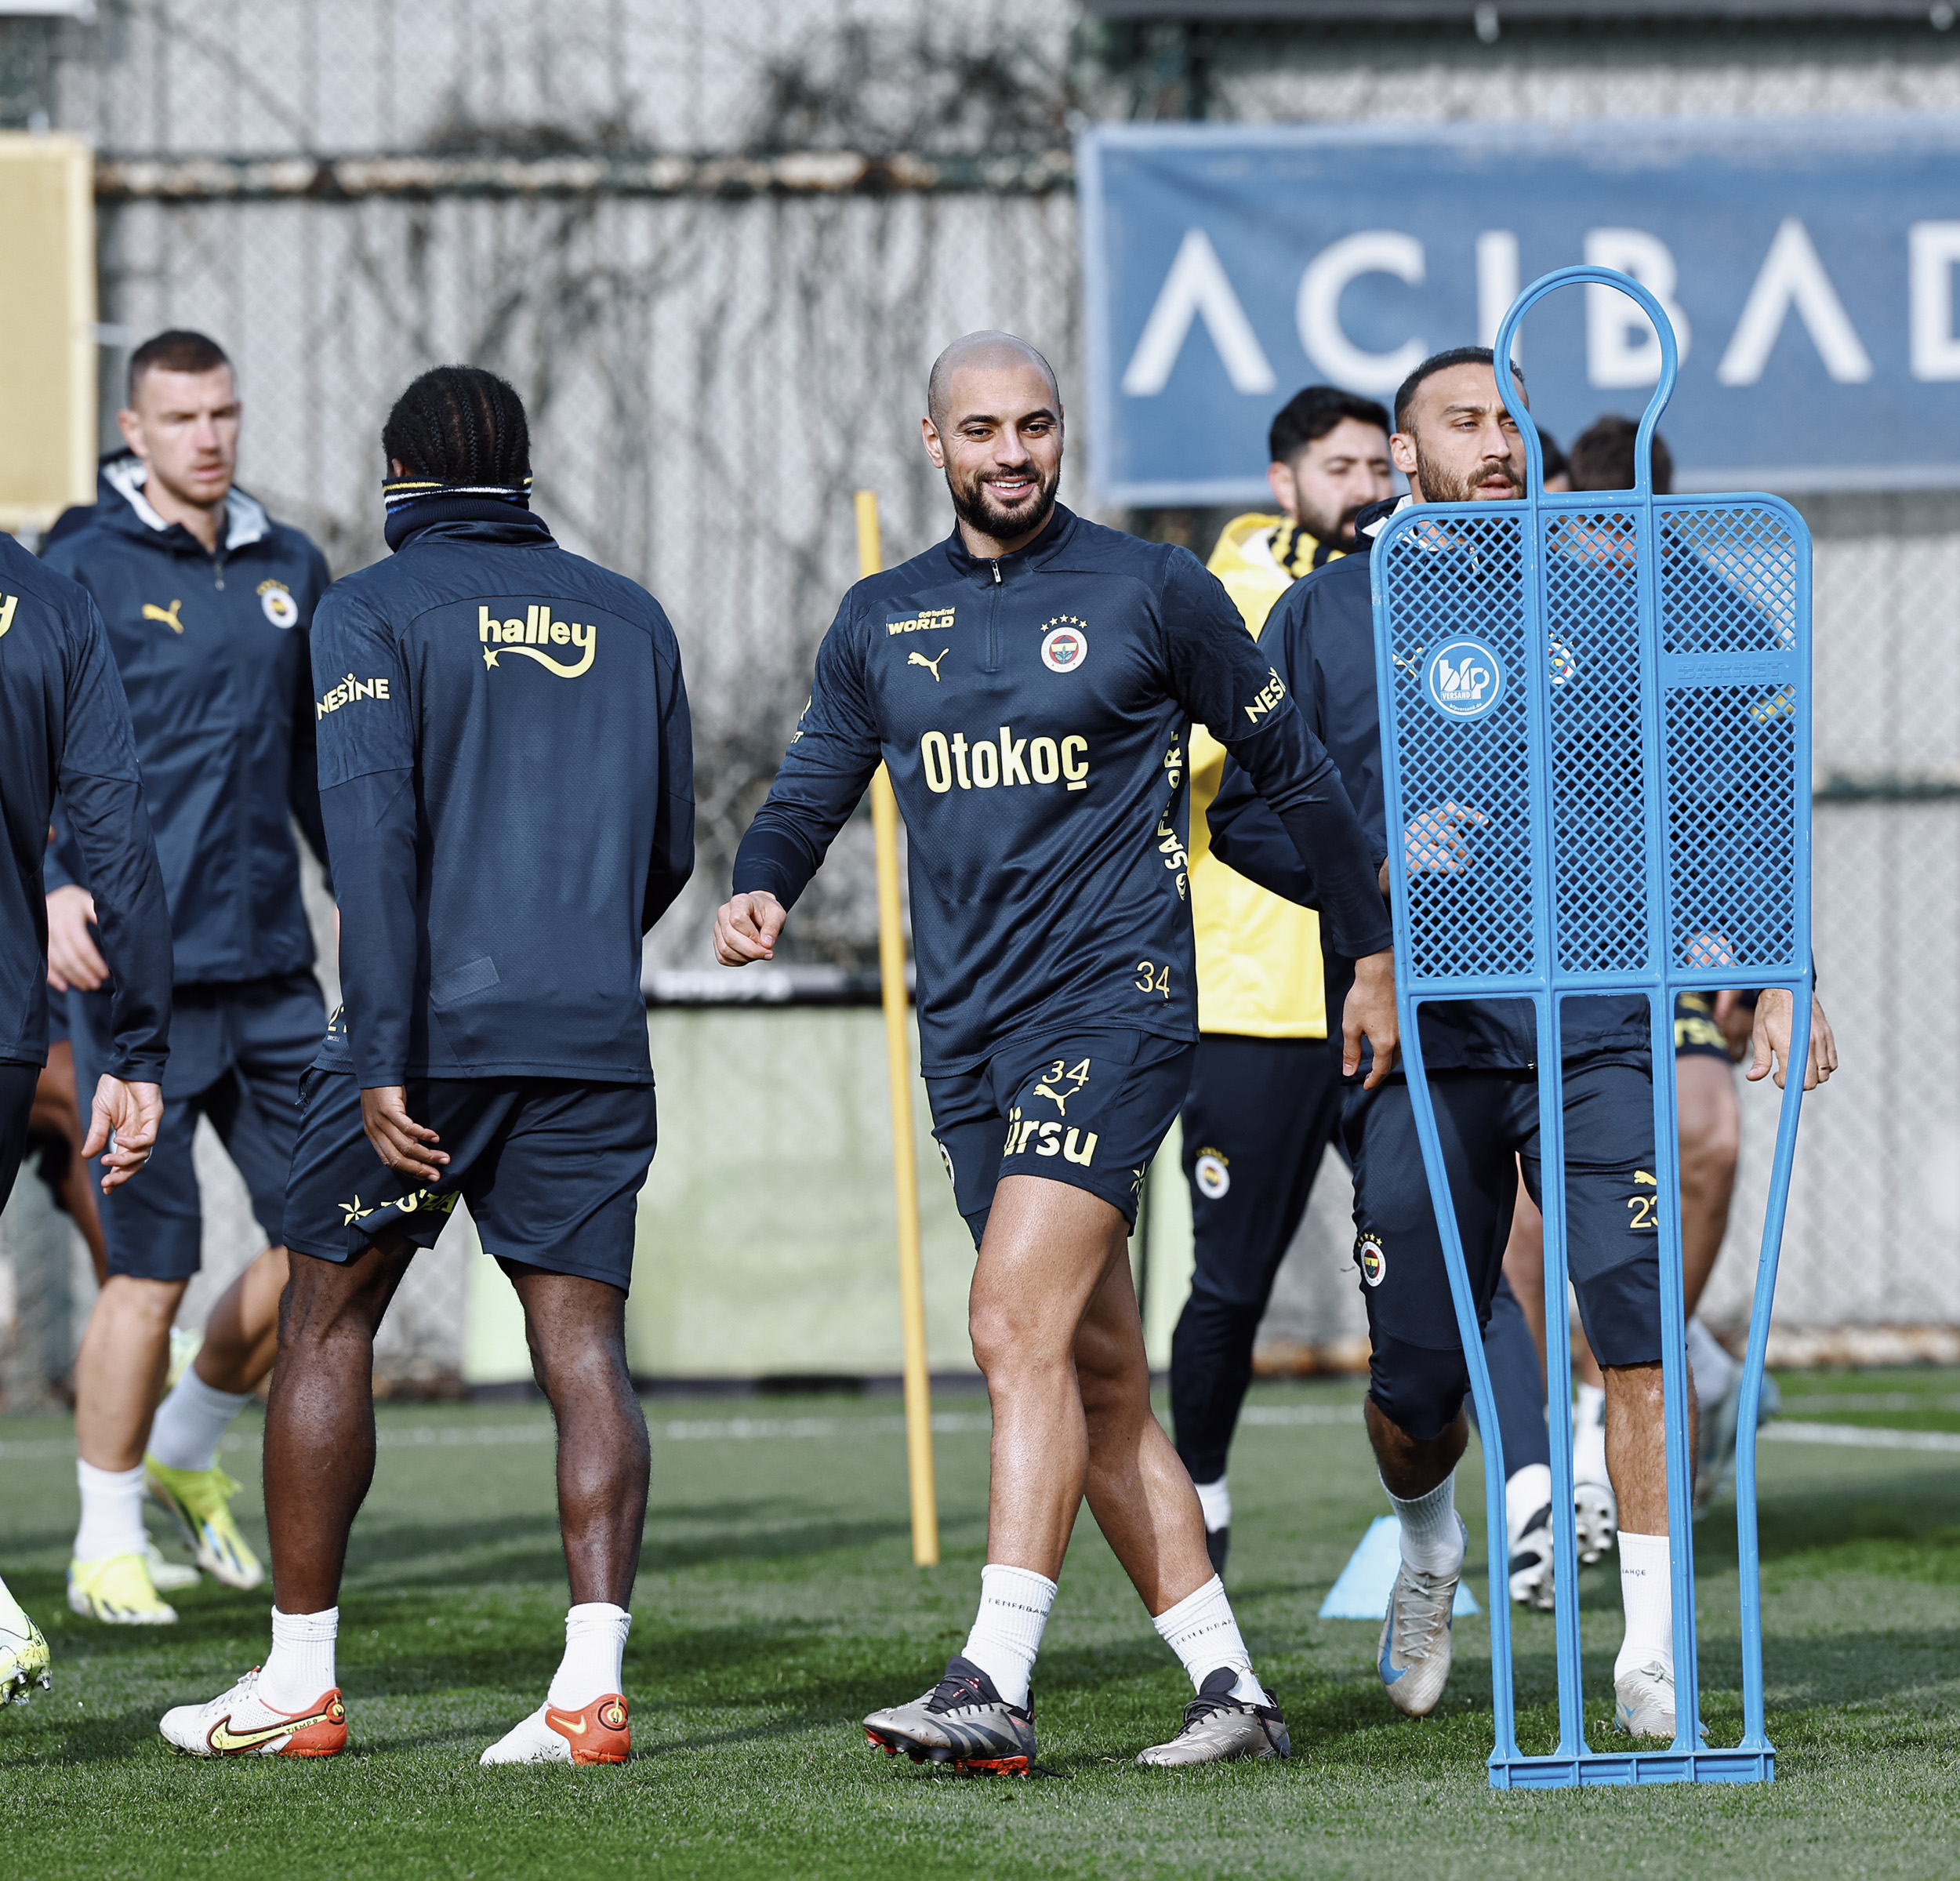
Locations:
column 1047, row 1294
column 241, row 1334
column 1410, row 1468
column 57, row 1111
column 1636, row 1445
column 577, row 1333
column 1710, row 1144
column 119, row 1371
column 319, row 1453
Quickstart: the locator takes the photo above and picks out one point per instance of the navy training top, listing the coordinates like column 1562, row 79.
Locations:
column 1320, row 634
column 1033, row 713
column 506, row 774
column 212, row 652
column 64, row 727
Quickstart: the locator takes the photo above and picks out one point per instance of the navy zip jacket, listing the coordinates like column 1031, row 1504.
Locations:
column 1320, row 637
column 506, row 774
column 212, row 652
column 63, row 726
column 1034, row 714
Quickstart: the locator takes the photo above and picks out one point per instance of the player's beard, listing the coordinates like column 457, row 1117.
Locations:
column 1338, row 533
column 972, row 507
column 1439, row 486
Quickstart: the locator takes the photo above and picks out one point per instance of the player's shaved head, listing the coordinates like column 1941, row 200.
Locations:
column 982, row 352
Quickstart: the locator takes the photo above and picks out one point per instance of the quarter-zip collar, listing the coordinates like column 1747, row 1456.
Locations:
column 123, row 505
column 996, row 571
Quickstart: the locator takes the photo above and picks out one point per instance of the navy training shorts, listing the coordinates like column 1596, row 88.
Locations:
column 1696, row 1033
column 237, row 1053
column 17, row 1084
column 1485, row 1119
column 551, row 1170
column 1089, row 1109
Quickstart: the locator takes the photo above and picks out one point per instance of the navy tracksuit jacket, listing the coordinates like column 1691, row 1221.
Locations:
column 213, row 651
column 64, row 727
column 1320, row 637
column 507, row 777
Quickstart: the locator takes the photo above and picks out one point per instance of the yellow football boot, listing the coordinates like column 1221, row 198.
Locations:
column 24, row 1653
column 199, row 1500
column 117, row 1590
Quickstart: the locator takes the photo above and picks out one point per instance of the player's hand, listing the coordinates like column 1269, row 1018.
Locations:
column 745, row 928
column 1774, row 1007
column 1737, row 1021
column 123, row 1119
column 74, row 958
column 398, row 1139
column 1438, row 838
column 1369, row 1012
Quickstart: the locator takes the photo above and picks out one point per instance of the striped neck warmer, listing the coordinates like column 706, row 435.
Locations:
column 398, row 492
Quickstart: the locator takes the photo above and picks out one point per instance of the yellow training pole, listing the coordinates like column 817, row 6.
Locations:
column 905, row 1165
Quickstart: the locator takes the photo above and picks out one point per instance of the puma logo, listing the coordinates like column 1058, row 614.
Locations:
column 1642, row 1179
column 168, row 615
column 931, row 666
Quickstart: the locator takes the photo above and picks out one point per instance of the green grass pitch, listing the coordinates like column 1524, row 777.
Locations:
column 778, row 1603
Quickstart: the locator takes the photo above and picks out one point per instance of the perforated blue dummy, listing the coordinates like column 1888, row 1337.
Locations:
column 1596, row 742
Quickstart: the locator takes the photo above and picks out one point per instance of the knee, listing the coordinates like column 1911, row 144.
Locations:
column 1708, row 1158
column 1418, row 1389
column 149, row 1305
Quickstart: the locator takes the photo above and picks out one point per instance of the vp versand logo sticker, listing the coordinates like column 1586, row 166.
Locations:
column 1464, row 679
column 1065, row 645
column 1369, row 1256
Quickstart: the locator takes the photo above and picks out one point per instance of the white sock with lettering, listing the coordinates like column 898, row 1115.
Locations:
column 1713, row 1369
column 1589, row 1436
column 1201, row 1631
column 1432, row 1536
column 595, row 1652
column 1014, row 1603
column 299, row 1670
column 191, row 1421
column 111, row 1512
column 1215, row 1500
column 1646, row 1590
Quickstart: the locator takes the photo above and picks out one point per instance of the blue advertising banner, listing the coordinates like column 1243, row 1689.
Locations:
column 1808, row 265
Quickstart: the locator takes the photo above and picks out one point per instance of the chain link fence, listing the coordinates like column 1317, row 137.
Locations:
column 716, row 247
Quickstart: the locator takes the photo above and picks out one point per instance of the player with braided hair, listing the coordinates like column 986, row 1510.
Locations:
column 506, row 779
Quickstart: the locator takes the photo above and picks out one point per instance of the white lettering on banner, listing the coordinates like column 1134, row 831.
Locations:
column 1934, row 247
column 1793, row 276
column 1497, row 287
column 1317, row 309
column 1196, row 285
column 1621, row 348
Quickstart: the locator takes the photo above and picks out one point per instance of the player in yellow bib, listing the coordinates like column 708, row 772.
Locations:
column 1264, row 1100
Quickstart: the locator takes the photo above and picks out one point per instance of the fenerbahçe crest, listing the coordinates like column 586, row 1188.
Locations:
column 530, row 636
column 1369, row 1256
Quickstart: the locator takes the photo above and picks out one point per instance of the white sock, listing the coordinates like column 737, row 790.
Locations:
column 1201, row 1631
column 595, row 1651
column 1215, row 1500
column 1432, row 1540
column 1714, row 1370
column 191, row 1421
column 1006, row 1630
column 299, row 1667
column 1646, row 1590
column 111, row 1512
column 1589, row 1436
column 1525, row 1492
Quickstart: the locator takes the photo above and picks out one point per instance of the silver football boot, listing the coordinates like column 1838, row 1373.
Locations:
column 962, row 1722
column 1218, row 1726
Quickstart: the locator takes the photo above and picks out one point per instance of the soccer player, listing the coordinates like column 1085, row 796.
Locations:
column 1264, row 1100
column 1456, row 442
column 207, row 601
column 64, row 727
column 1708, row 1037
column 1028, row 682
column 506, row 776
